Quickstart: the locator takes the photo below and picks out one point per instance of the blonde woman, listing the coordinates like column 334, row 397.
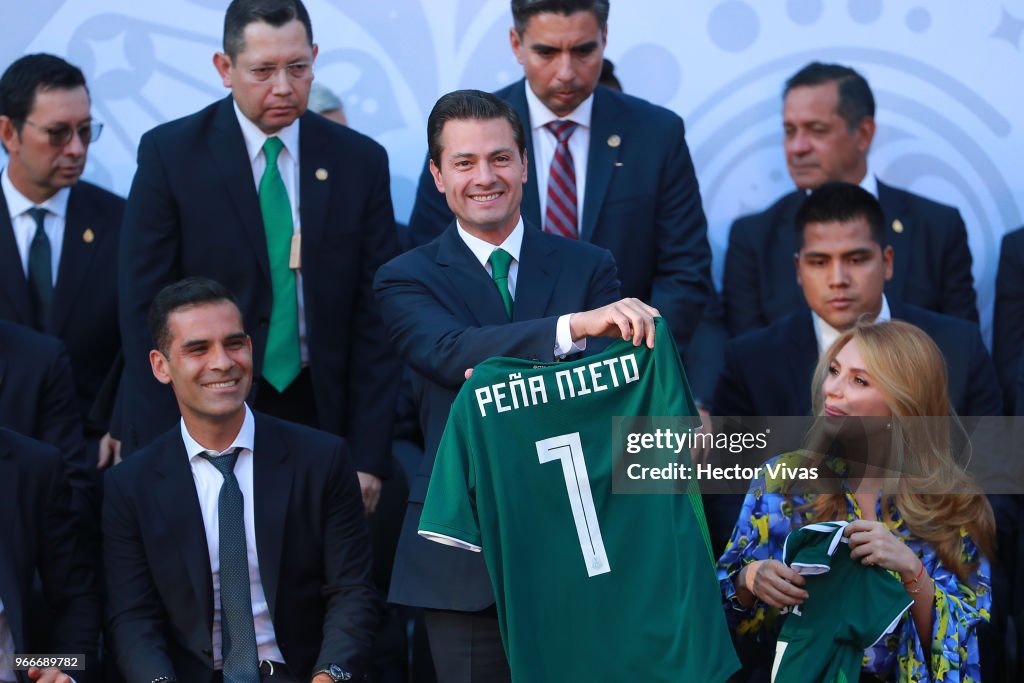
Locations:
column 911, row 509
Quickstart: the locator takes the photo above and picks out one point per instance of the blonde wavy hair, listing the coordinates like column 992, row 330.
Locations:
column 939, row 499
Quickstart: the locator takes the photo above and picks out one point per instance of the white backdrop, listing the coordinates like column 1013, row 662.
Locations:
column 946, row 76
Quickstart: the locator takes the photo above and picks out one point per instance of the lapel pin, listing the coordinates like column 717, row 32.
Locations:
column 618, row 164
column 897, row 226
column 321, row 174
column 614, row 141
column 88, row 236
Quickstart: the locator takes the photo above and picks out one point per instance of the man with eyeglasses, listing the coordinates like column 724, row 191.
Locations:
column 59, row 234
column 292, row 213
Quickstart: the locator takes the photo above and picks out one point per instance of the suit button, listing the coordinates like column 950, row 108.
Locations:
column 207, row 651
column 264, row 322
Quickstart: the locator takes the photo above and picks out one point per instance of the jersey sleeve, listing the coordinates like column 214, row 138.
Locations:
column 449, row 510
column 879, row 616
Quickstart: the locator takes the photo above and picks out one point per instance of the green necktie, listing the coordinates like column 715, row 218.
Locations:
column 500, row 261
column 281, row 361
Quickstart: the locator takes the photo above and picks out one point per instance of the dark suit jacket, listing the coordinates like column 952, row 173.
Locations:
column 443, row 314
column 311, row 538
column 194, row 210
column 37, row 399
column 932, row 267
column 1008, row 330
column 642, row 203
column 85, row 299
column 769, row 371
column 41, row 534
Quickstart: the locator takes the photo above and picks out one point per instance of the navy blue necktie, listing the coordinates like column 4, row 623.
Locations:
column 40, row 271
column 238, row 633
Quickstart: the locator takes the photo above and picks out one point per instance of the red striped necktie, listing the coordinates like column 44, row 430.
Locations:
column 560, row 214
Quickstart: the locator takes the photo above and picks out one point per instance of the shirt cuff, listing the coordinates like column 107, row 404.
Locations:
column 564, row 345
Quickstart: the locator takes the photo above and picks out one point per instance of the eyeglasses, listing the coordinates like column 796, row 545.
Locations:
column 299, row 71
column 61, row 135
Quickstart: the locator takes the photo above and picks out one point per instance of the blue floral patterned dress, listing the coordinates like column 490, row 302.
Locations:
column 767, row 517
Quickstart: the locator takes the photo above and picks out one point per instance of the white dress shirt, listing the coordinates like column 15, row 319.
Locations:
column 513, row 244
column 25, row 226
column 827, row 334
column 288, row 165
column 545, row 142
column 208, row 481
column 870, row 183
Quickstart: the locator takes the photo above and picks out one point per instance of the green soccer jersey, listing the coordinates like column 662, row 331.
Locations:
column 590, row 585
column 850, row 608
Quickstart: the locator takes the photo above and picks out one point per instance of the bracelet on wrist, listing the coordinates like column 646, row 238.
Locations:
column 914, row 581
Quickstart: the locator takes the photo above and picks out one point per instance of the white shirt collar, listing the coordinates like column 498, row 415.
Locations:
column 870, row 185
column 827, row 334
column 540, row 114
column 513, row 244
column 245, row 439
column 254, row 137
column 17, row 203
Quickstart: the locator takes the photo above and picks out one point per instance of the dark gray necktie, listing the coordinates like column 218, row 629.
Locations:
column 238, row 633
column 40, row 271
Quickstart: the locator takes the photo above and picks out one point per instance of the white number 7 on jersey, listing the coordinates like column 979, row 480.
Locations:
column 569, row 450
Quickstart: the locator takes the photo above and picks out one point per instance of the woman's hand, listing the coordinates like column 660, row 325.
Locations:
column 874, row 544
column 771, row 582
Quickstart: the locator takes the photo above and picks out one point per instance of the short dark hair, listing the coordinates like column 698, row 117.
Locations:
column 462, row 105
column 192, row 291
column 524, row 10
column 30, row 74
column 277, row 13
column 855, row 99
column 839, row 202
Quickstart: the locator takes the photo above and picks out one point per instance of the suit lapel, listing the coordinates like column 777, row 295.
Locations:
column 897, row 233
column 176, row 492
column 9, row 589
column 470, row 279
column 272, row 485
column 531, row 192
column 12, row 274
column 605, row 122
column 802, row 359
column 538, row 275
column 315, row 179
column 229, row 152
column 76, row 259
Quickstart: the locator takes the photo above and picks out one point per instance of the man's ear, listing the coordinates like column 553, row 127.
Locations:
column 887, row 258
column 160, row 366
column 8, row 133
column 865, row 133
column 222, row 63
column 435, row 172
column 517, row 44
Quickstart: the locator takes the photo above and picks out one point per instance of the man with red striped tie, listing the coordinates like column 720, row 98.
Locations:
column 604, row 167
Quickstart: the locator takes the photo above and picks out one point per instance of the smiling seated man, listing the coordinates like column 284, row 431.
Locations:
column 235, row 544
